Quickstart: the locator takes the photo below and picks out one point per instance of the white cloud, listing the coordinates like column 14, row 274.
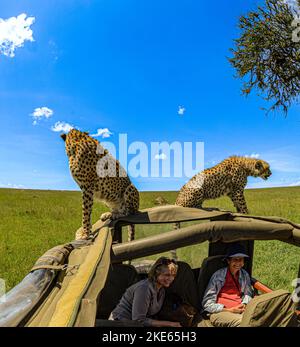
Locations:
column 41, row 112
column 62, row 126
column 294, row 184
column 53, row 49
column 284, row 159
column 272, row 184
column 105, row 133
column 253, row 155
column 293, row 4
column 12, row 185
column 160, row 156
column 210, row 163
column 181, row 110
column 14, row 31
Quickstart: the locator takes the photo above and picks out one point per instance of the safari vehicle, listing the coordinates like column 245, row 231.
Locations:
column 79, row 283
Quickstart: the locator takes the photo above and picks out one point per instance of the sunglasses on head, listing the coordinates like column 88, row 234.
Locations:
column 167, row 261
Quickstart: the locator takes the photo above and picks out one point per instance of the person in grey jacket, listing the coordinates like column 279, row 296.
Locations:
column 229, row 290
column 145, row 298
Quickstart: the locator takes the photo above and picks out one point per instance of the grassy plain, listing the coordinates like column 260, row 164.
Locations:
column 34, row 221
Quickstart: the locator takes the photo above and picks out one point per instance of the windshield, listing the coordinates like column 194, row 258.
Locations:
column 18, row 302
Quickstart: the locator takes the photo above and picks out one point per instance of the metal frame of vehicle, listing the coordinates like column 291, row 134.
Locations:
column 78, row 270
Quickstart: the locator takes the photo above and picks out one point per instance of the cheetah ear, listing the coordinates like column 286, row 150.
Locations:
column 104, row 153
column 63, row 136
column 259, row 165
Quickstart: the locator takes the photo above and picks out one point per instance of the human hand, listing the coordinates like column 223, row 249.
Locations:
column 165, row 323
column 175, row 325
column 237, row 309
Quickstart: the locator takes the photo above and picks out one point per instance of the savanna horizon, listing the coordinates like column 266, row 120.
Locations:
column 33, row 221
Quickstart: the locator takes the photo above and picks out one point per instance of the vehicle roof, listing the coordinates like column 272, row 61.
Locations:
column 219, row 225
column 173, row 213
column 170, row 214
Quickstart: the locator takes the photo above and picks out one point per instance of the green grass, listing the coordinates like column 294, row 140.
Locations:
column 34, row 221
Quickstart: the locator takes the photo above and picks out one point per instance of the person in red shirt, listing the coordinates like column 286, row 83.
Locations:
column 230, row 294
column 229, row 290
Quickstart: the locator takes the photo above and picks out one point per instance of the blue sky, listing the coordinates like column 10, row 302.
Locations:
column 128, row 66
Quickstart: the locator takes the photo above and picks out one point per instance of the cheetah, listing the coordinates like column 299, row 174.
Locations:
column 100, row 176
column 226, row 178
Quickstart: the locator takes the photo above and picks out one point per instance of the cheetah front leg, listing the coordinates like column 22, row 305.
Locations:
column 239, row 201
column 87, row 205
column 131, row 199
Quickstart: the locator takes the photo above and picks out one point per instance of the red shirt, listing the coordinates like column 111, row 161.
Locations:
column 230, row 293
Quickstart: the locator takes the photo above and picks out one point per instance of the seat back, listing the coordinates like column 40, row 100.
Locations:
column 209, row 266
column 119, row 278
column 185, row 285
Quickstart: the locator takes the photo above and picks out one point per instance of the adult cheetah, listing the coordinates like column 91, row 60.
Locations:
column 226, row 178
column 99, row 175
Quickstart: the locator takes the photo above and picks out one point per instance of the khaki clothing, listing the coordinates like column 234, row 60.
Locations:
column 226, row 319
column 275, row 309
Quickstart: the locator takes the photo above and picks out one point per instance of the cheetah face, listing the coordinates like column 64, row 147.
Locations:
column 71, row 144
column 262, row 169
column 73, row 140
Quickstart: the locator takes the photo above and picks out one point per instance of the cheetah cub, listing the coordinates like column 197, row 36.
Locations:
column 226, row 178
column 99, row 175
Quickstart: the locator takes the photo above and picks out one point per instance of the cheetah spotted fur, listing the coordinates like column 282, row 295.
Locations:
column 100, row 176
column 226, row 178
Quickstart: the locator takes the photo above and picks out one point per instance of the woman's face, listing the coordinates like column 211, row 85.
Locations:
column 166, row 277
column 235, row 264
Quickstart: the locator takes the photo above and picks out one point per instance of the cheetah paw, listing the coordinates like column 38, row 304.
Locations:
column 105, row 216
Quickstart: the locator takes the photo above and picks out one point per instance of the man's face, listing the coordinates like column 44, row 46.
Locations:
column 235, row 264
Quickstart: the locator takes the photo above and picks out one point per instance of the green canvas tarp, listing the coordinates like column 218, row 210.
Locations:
column 62, row 288
column 222, row 226
column 65, row 284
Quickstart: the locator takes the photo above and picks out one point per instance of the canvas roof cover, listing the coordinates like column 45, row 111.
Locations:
column 77, row 271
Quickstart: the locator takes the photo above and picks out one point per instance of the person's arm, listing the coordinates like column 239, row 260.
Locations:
column 236, row 309
column 248, row 292
column 164, row 323
column 140, row 306
column 209, row 302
